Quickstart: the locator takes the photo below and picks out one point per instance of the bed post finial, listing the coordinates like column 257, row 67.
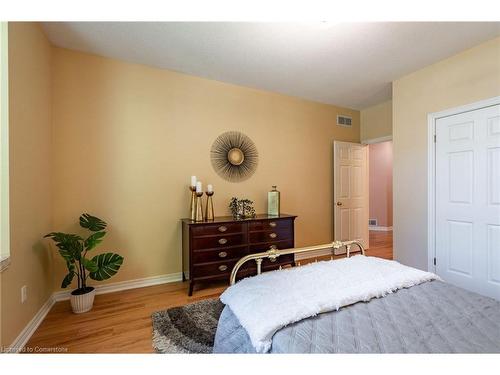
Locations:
column 259, row 265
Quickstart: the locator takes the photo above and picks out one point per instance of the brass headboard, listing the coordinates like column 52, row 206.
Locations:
column 274, row 253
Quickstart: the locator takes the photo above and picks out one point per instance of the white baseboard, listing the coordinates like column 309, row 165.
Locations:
column 31, row 327
column 125, row 285
column 63, row 295
column 379, row 228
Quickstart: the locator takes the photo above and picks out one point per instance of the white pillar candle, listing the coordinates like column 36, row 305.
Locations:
column 210, row 188
column 199, row 188
column 193, row 180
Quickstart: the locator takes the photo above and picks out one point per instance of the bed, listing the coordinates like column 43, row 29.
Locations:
column 390, row 308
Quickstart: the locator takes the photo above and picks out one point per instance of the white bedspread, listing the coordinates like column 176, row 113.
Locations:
column 266, row 303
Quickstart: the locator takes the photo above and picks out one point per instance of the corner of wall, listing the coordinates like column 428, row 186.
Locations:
column 376, row 121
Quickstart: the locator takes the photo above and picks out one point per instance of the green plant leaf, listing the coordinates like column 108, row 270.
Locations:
column 93, row 240
column 71, row 266
column 68, row 279
column 69, row 245
column 89, row 265
column 71, row 250
column 58, row 237
column 108, row 265
column 92, row 223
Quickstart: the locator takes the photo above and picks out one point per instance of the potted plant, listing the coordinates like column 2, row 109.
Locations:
column 73, row 248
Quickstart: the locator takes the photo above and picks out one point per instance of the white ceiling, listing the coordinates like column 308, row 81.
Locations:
column 350, row 65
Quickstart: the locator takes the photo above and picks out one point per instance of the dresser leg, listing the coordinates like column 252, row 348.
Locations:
column 183, row 277
column 190, row 293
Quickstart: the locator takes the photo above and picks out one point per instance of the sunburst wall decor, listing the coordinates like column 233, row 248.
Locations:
column 234, row 156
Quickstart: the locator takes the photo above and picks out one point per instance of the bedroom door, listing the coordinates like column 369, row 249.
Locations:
column 468, row 200
column 351, row 192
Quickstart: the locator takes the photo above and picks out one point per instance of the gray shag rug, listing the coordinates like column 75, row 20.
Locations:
column 187, row 329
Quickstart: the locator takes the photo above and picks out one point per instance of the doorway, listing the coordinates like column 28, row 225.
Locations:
column 363, row 191
column 380, row 219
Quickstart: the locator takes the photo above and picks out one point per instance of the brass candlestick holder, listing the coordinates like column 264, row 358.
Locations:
column 209, row 208
column 192, row 206
column 198, row 209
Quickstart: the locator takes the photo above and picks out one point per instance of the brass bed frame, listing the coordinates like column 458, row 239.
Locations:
column 273, row 254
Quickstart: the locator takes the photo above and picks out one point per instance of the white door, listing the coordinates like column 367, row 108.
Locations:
column 468, row 200
column 351, row 192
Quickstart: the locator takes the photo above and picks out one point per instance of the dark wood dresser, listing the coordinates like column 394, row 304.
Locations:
column 210, row 249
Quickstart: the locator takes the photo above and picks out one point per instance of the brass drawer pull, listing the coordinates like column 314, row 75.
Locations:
column 222, row 228
column 273, row 235
column 222, row 254
column 223, row 241
column 272, row 224
column 273, row 247
column 223, row 267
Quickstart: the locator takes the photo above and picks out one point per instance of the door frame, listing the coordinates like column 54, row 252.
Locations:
column 372, row 141
column 431, row 169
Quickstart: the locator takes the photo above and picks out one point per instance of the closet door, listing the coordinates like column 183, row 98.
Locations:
column 468, row 200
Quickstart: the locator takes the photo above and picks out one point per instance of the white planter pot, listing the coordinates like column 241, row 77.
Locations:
column 81, row 303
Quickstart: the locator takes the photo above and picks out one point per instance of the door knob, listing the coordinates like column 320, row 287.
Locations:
column 339, row 203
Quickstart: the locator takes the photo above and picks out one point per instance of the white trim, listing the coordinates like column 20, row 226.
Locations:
column 31, row 327
column 125, row 285
column 431, row 193
column 379, row 228
column 431, row 169
column 376, row 140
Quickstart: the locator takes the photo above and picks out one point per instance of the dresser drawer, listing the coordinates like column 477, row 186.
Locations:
column 219, row 254
column 212, row 229
column 270, row 235
column 211, row 249
column 216, row 242
column 277, row 224
column 261, row 247
column 213, row 269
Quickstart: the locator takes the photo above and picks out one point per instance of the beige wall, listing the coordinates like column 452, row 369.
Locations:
column 376, row 121
column 30, row 177
column 470, row 76
column 380, row 165
column 128, row 137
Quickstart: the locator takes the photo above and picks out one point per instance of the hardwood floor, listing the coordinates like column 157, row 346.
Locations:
column 121, row 322
column 380, row 244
